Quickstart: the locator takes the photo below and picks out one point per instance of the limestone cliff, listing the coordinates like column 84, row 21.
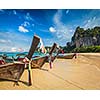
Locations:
column 88, row 37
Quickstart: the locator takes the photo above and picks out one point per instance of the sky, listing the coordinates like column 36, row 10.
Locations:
column 17, row 26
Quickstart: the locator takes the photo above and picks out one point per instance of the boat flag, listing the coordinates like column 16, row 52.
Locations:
column 58, row 46
column 43, row 50
column 61, row 50
column 25, row 60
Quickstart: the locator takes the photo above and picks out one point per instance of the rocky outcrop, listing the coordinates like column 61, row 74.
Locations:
column 89, row 37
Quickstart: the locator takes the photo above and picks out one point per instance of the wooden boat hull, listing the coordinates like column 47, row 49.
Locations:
column 11, row 71
column 69, row 56
column 33, row 47
column 38, row 62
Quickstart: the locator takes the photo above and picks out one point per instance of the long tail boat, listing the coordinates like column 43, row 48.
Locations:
column 38, row 62
column 13, row 71
column 66, row 56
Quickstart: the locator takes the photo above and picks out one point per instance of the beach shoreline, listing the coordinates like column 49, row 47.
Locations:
column 67, row 74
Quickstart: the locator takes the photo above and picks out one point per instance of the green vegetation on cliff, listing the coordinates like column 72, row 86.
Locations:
column 81, row 32
column 87, row 49
column 84, row 40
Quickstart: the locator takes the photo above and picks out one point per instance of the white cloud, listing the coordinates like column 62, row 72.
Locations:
column 92, row 19
column 23, row 29
column 14, row 12
column 89, row 21
column 92, row 22
column 20, row 50
column 63, row 32
column 13, row 49
column 16, row 49
column 52, row 29
column 26, row 23
column 44, row 30
column 33, row 25
column 28, row 17
column 12, row 39
column 3, row 41
column 1, row 10
column 71, row 30
column 67, row 11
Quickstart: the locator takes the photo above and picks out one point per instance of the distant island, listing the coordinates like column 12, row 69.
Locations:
column 84, row 40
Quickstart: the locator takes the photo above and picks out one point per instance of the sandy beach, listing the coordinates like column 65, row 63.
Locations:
column 67, row 74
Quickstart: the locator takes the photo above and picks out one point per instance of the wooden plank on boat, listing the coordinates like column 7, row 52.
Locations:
column 66, row 56
column 34, row 44
column 53, row 48
column 40, row 61
column 11, row 71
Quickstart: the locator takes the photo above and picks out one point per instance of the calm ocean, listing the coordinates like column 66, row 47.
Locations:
column 10, row 54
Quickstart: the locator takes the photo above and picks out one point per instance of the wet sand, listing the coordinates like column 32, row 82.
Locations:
column 82, row 73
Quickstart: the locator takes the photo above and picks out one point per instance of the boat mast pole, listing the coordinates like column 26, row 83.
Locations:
column 33, row 47
column 52, row 49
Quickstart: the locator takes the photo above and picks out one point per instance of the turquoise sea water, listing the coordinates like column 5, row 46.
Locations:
column 10, row 54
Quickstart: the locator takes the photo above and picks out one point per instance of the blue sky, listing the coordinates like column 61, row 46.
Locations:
column 17, row 27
